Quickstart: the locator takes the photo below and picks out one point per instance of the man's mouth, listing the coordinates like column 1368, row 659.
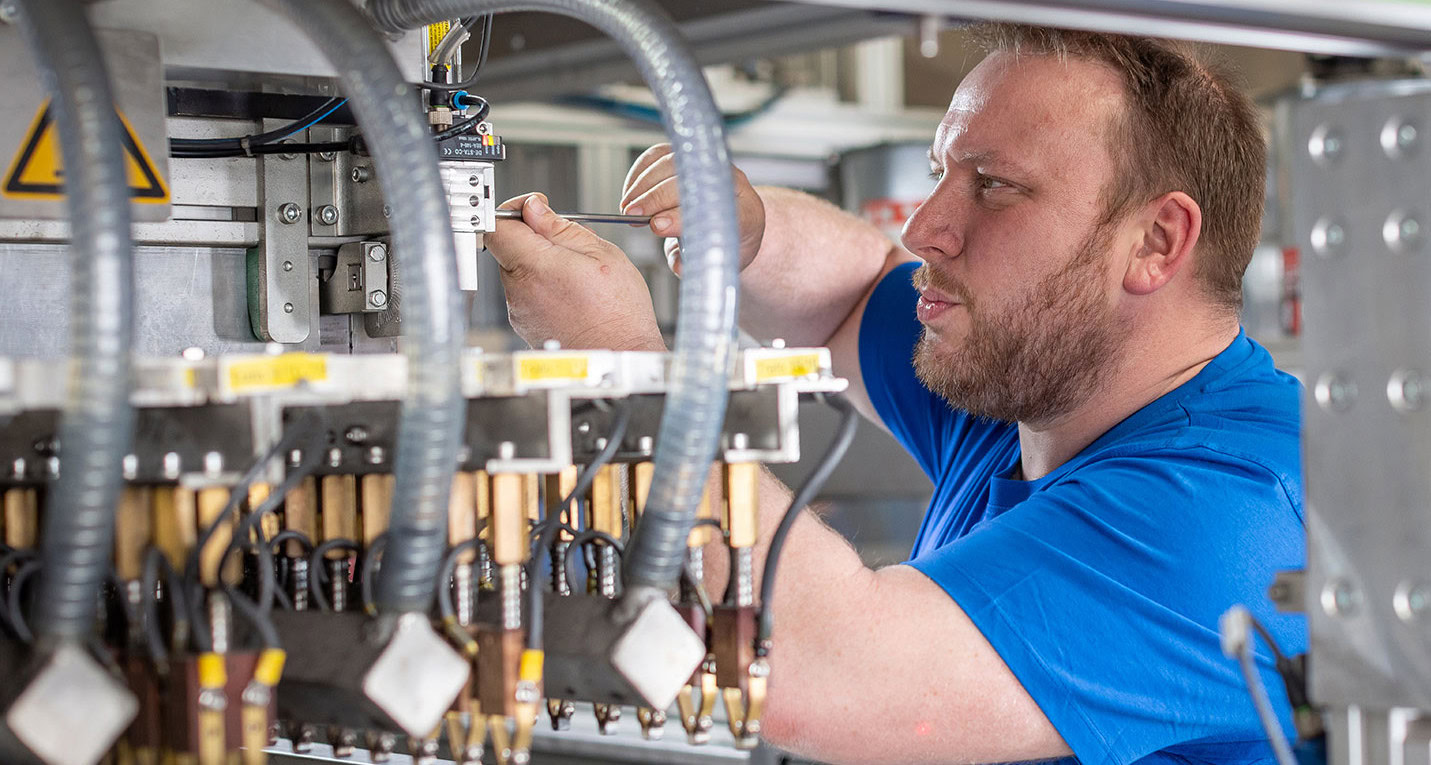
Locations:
column 932, row 304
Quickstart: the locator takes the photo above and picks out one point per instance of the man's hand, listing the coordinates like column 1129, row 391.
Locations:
column 565, row 283
column 650, row 189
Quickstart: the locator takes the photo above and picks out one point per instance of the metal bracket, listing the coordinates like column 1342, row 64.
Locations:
column 279, row 270
column 359, row 281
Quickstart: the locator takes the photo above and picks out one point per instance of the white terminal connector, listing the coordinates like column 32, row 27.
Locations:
column 472, row 200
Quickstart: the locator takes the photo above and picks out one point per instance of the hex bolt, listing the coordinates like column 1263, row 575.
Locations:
column 378, row 299
column 377, row 253
column 327, row 215
column 289, row 212
column 362, row 174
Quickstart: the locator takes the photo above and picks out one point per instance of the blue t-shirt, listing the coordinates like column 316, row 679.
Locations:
column 1101, row 584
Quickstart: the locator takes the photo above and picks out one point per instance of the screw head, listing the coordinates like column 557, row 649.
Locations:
column 327, row 215
column 377, row 253
column 1399, row 138
column 378, row 299
column 387, row 211
column 361, row 174
column 1406, row 390
column 474, row 180
column 1329, row 237
column 287, row 265
column 289, row 212
column 9, row 12
column 1401, row 231
column 1325, row 144
column 1335, row 393
column 288, row 308
column 1411, row 600
column 1339, row 598
column 326, row 156
column 356, row 434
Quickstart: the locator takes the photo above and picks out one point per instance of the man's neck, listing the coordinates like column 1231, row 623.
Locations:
column 1140, row 378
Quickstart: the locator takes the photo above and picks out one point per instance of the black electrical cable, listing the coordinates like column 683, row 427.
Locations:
column 1291, row 671
column 293, row 535
column 585, row 537
column 277, row 134
column 240, row 492
column 267, row 577
column 849, row 420
column 13, row 602
column 466, row 125
column 449, row 567
column 368, row 570
column 318, row 572
column 248, row 526
column 154, row 560
column 260, row 619
column 583, row 484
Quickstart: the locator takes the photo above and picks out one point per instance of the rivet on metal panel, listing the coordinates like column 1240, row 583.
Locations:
column 1401, row 231
column 1406, row 390
column 1325, row 145
column 1329, row 237
column 1339, row 598
column 1399, row 138
column 1334, row 392
column 1411, row 600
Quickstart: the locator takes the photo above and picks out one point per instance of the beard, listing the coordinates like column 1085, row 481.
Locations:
column 1037, row 359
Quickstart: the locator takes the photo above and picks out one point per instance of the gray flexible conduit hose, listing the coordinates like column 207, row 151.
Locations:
column 705, row 328
column 97, row 424
column 433, row 411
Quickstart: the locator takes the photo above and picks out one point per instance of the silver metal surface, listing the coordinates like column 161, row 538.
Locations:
column 416, row 677
column 657, row 653
column 187, row 297
column 359, row 282
column 1368, row 28
column 1365, row 448
column 472, row 200
column 279, row 306
column 744, row 576
column 73, row 710
column 228, row 39
column 510, row 582
column 140, row 95
column 578, row 217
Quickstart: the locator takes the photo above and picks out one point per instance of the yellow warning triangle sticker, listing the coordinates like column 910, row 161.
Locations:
column 37, row 171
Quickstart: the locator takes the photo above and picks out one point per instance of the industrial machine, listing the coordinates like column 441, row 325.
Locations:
column 259, row 487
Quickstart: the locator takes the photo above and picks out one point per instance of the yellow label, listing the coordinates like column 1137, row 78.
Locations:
column 212, row 673
column 274, row 372
column 530, row 668
column 435, row 33
column 781, row 367
column 269, row 669
column 542, row 368
column 37, row 170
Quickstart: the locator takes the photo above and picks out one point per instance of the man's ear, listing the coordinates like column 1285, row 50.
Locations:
column 1171, row 227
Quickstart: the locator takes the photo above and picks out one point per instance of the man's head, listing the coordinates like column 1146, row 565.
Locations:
column 1089, row 185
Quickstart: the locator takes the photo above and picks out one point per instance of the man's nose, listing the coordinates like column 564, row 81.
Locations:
column 934, row 231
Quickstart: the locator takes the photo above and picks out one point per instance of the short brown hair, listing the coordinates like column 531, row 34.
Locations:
column 1187, row 127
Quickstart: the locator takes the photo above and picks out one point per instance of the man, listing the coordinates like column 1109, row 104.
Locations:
column 1115, row 463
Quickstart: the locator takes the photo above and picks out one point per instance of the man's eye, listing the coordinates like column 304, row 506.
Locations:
column 989, row 184
column 936, row 174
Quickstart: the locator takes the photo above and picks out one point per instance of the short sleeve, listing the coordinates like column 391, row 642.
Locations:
column 889, row 330
column 1102, row 594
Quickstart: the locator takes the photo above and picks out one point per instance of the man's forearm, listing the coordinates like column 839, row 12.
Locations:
column 815, row 263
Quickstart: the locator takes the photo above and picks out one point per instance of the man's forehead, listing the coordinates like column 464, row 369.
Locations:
column 1009, row 106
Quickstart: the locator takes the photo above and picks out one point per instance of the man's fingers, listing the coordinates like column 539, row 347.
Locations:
column 673, row 254
column 514, row 244
column 655, row 200
column 642, row 162
column 667, row 222
column 658, row 171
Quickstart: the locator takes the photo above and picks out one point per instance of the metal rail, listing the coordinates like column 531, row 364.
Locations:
column 1373, row 28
